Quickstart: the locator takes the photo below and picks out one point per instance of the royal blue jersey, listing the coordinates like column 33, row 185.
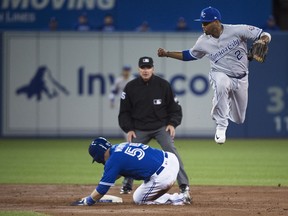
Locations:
column 134, row 160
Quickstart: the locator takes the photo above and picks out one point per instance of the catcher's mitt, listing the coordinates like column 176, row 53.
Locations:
column 258, row 51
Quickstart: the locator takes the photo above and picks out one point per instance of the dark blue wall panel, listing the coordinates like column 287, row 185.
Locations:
column 128, row 14
column 267, row 113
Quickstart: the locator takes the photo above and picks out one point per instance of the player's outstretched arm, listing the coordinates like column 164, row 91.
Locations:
column 173, row 54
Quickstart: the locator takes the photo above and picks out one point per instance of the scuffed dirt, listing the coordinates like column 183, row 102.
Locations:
column 207, row 200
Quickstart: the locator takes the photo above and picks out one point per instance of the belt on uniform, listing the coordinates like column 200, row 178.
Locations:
column 160, row 169
column 238, row 77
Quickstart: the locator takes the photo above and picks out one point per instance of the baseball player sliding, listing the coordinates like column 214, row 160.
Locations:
column 157, row 168
column 226, row 48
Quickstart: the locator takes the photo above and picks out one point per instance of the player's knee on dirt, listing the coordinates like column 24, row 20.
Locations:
column 137, row 199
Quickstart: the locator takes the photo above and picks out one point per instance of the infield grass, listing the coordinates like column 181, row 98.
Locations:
column 66, row 161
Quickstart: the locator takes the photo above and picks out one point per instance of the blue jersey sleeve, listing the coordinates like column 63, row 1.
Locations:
column 108, row 179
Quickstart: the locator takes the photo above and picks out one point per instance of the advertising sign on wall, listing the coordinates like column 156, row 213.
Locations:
column 58, row 83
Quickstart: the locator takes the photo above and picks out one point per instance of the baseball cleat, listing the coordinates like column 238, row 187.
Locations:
column 220, row 136
column 185, row 190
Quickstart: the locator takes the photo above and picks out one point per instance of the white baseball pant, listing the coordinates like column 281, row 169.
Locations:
column 160, row 182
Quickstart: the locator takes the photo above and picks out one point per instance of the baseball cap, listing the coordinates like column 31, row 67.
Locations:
column 126, row 67
column 209, row 14
column 145, row 61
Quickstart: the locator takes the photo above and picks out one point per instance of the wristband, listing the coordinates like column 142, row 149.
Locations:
column 187, row 56
column 89, row 201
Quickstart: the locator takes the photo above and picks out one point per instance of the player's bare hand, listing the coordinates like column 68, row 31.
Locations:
column 162, row 52
column 130, row 136
column 171, row 130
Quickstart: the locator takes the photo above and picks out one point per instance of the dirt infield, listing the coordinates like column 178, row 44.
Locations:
column 207, row 200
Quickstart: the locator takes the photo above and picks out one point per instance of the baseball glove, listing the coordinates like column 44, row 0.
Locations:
column 258, row 51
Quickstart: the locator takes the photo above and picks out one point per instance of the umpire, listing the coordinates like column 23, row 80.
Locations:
column 148, row 110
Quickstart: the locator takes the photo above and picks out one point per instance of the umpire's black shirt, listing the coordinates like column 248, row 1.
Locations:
column 148, row 105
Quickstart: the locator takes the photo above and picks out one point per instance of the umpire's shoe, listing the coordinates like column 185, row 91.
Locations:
column 185, row 190
column 125, row 190
column 127, row 185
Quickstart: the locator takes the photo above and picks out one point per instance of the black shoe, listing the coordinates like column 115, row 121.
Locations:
column 125, row 190
column 185, row 190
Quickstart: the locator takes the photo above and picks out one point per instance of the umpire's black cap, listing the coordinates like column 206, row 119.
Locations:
column 145, row 61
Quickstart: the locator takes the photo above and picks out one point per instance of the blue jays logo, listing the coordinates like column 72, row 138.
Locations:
column 43, row 83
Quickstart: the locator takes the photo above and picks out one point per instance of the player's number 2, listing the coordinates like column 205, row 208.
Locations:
column 138, row 152
column 238, row 54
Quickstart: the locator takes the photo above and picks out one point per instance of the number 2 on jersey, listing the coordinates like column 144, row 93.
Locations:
column 238, row 55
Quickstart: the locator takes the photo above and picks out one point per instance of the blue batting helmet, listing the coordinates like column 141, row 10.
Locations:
column 98, row 148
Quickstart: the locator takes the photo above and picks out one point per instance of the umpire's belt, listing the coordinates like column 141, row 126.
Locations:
column 160, row 169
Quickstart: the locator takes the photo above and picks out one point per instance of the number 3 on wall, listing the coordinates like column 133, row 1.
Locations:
column 276, row 106
column 277, row 103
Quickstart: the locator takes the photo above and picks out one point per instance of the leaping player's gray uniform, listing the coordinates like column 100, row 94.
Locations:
column 229, row 70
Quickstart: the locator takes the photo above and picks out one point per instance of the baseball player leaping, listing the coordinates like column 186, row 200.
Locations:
column 226, row 48
column 158, row 169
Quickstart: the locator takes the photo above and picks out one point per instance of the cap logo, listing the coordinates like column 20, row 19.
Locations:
column 203, row 14
column 157, row 101
column 146, row 60
column 104, row 147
